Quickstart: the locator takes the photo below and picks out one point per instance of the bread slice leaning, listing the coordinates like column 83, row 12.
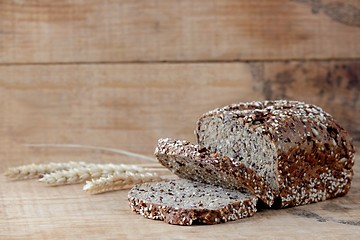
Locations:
column 185, row 202
column 193, row 162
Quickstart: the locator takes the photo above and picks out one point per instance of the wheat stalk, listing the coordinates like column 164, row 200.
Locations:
column 35, row 170
column 119, row 181
column 62, row 177
column 89, row 171
column 104, row 177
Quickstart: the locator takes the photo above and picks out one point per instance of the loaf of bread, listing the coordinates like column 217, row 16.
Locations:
column 299, row 150
column 285, row 153
column 195, row 163
column 185, row 202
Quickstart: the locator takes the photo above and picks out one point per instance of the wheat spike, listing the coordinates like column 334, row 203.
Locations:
column 118, row 181
column 62, row 177
column 36, row 170
column 111, row 168
column 87, row 172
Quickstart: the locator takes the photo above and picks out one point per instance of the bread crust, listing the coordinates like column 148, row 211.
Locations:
column 314, row 154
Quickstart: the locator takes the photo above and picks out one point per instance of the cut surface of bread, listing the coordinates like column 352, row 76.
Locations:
column 299, row 149
column 185, row 202
column 193, row 162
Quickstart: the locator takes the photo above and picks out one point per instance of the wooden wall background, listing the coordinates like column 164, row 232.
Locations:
column 122, row 73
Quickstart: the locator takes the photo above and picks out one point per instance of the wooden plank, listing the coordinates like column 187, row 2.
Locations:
column 71, row 31
column 127, row 106
column 130, row 106
column 30, row 210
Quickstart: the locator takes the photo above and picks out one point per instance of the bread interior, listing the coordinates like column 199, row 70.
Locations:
column 243, row 143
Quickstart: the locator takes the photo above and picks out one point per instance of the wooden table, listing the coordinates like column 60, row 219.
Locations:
column 30, row 210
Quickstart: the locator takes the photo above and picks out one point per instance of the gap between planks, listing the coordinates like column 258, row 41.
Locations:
column 180, row 62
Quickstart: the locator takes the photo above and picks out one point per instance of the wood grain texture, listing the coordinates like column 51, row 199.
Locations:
column 30, row 210
column 127, row 106
column 130, row 106
column 72, row 31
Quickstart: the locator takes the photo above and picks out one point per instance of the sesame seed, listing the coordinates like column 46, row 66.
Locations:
column 315, row 132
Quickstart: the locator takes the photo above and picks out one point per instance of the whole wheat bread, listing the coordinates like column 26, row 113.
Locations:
column 303, row 154
column 185, row 202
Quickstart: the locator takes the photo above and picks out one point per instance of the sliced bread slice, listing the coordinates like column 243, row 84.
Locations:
column 185, row 202
column 193, row 162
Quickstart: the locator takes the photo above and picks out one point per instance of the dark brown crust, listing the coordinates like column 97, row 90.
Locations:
column 183, row 216
column 314, row 154
column 192, row 162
